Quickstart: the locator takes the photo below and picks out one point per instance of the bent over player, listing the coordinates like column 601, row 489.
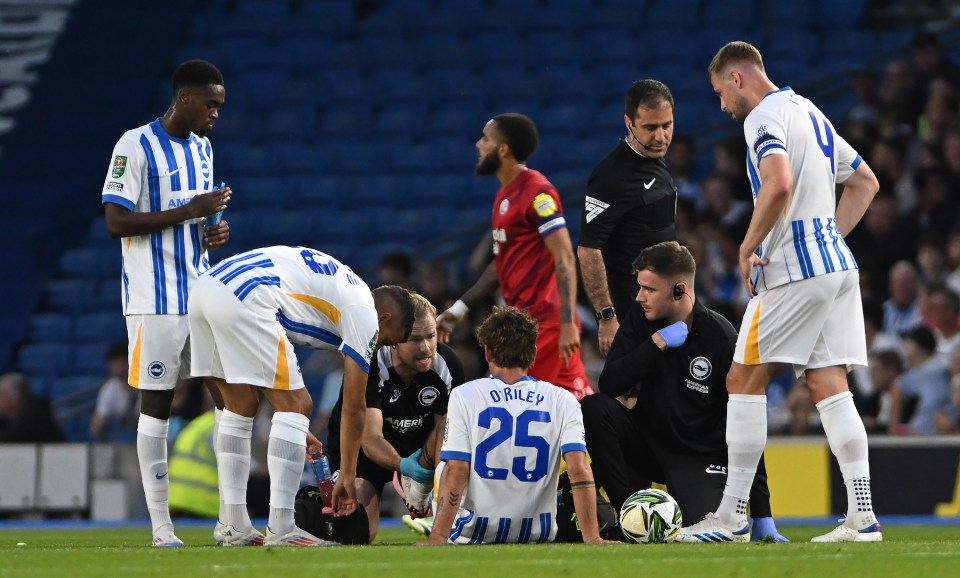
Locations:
column 805, row 308
column 502, row 447
column 407, row 394
column 246, row 315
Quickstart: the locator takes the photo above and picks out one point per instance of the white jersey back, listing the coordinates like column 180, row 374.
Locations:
column 805, row 241
column 513, row 437
column 318, row 300
column 153, row 171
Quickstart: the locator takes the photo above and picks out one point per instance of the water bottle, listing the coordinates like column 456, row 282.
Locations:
column 215, row 218
column 321, row 467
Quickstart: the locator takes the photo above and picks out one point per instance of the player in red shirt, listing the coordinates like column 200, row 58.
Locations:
column 533, row 261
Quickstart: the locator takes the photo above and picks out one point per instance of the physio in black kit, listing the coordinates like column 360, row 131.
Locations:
column 675, row 353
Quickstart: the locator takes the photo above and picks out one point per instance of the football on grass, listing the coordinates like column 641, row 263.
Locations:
column 650, row 517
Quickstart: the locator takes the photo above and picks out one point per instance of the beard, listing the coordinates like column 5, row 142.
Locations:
column 488, row 165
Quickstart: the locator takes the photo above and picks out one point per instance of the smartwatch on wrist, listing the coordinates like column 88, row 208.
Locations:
column 607, row 312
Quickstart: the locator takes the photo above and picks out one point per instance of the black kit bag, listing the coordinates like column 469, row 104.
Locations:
column 309, row 516
column 568, row 527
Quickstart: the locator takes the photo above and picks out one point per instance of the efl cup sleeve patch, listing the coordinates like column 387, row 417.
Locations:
column 544, row 205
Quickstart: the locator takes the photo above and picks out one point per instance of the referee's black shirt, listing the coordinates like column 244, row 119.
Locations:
column 682, row 398
column 631, row 204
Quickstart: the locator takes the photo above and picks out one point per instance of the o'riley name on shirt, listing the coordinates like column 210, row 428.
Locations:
column 516, row 394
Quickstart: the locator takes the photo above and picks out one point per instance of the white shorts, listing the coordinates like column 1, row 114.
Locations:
column 159, row 351
column 814, row 323
column 239, row 341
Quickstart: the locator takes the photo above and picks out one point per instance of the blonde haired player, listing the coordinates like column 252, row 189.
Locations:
column 246, row 314
column 806, row 309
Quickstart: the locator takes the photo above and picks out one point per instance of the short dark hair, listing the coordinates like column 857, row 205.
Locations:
column 403, row 299
column 196, row 74
column 648, row 93
column 888, row 358
column 510, row 335
column 116, row 350
column 668, row 259
column 519, row 133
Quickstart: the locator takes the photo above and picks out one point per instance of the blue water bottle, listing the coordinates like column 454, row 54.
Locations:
column 321, row 467
column 215, row 218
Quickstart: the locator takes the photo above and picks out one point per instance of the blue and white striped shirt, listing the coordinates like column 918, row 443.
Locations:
column 152, row 171
column 804, row 242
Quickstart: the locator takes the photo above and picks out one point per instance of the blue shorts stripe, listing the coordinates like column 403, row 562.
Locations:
column 526, row 527
column 546, row 524
column 503, row 530
column 479, row 530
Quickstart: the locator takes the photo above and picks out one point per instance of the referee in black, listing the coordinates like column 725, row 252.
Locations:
column 631, row 204
column 676, row 353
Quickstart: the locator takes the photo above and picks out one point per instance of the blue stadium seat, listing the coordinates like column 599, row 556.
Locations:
column 455, row 117
column 44, row 359
column 730, row 14
column 108, row 295
column 91, row 262
column 387, row 50
column 102, row 326
column 326, row 191
column 799, row 14
column 833, row 15
column 555, row 47
column 565, row 80
column 444, row 48
column 74, row 385
column 393, row 82
column 496, row 47
column 790, row 42
column 401, row 118
column 54, row 327
column 69, row 294
column 284, row 121
column 346, row 119
column 454, row 80
column 668, row 13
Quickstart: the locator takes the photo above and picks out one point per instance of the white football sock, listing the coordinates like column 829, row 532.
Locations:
column 286, row 452
column 217, row 414
column 152, row 455
column 233, row 468
column 746, row 438
column 848, row 442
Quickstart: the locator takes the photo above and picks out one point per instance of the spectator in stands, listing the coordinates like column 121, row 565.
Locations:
column 25, row 417
column 926, row 384
column 930, row 61
column 395, row 268
column 881, row 241
column 931, row 260
column 719, row 205
column 950, row 153
column 901, row 96
column 942, row 311
column 681, row 158
column 164, row 251
column 889, row 157
column 433, row 282
column 953, row 261
column 631, row 204
column 901, row 312
column 948, row 419
column 874, row 404
column 939, row 113
column 118, row 405
column 936, row 208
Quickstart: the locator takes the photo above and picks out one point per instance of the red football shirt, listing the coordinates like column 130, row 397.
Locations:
column 525, row 211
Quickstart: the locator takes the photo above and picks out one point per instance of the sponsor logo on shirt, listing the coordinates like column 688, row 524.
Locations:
column 402, row 425
column 594, row 207
column 428, row 395
column 174, row 203
column 115, row 186
column 544, row 205
column 504, row 206
column 119, row 165
column 650, row 184
column 713, row 469
column 395, row 396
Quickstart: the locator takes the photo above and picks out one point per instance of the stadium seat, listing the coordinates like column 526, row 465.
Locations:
column 69, row 294
column 666, row 13
column 392, row 83
column 54, row 327
column 91, row 262
column 833, row 15
column 787, row 14
column 731, row 14
column 44, row 359
column 106, row 326
column 401, row 118
column 346, row 119
column 455, row 117
column 77, row 385
column 284, row 121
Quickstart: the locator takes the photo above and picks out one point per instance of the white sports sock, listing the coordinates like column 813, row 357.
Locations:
column 286, row 452
column 848, row 442
column 217, row 413
column 233, row 468
column 152, row 455
column 746, row 438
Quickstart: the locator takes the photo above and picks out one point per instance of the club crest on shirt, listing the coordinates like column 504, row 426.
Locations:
column 544, row 205
column 205, row 169
column 119, row 165
column 762, row 130
column 428, row 395
column 504, row 206
column 700, row 368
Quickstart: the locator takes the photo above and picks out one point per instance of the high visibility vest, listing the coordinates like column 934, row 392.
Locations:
column 193, row 470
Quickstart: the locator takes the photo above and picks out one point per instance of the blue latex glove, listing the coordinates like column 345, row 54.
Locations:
column 675, row 335
column 764, row 528
column 410, row 467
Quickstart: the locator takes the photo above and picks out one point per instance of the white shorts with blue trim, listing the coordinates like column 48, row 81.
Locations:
column 813, row 323
column 158, row 352
column 241, row 342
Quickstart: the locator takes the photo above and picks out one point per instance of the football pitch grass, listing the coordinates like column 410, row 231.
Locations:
column 907, row 550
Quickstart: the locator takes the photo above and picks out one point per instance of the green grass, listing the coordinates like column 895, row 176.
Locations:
column 927, row 551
